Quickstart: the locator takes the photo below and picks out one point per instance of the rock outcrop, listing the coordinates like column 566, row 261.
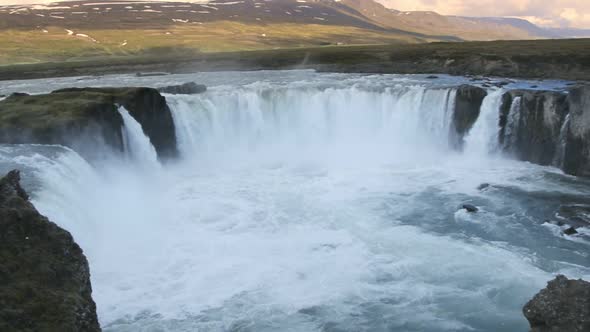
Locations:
column 548, row 128
column 468, row 103
column 564, row 306
column 83, row 118
column 190, row 88
column 44, row 276
column 576, row 158
column 532, row 132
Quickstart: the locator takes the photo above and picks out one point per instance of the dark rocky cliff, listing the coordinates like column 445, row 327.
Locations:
column 548, row 128
column 533, row 134
column 44, row 276
column 576, row 158
column 86, row 118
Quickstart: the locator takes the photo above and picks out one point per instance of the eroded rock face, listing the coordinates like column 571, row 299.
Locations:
column 86, row 118
column 44, row 276
column 467, row 108
column 148, row 107
column 577, row 151
column 564, row 306
column 533, row 133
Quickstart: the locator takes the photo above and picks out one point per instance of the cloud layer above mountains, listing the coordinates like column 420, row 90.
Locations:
column 554, row 13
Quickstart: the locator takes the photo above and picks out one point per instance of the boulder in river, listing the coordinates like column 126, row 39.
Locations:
column 190, row 88
column 44, row 275
column 470, row 208
column 564, row 306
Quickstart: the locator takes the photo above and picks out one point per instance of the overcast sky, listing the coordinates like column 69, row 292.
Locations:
column 555, row 13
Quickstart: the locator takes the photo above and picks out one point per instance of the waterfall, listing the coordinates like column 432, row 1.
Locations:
column 400, row 120
column 562, row 142
column 311, row 204
column 513, row 124
column 483, row 137
column 136, row 143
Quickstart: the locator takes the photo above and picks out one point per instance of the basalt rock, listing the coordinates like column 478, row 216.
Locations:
column 470, row 208
column 531, row 123
column 87, row 117
column 190, row 88
column 576, row 158
column 564, row 306
column 468, row 103
column 44, row 276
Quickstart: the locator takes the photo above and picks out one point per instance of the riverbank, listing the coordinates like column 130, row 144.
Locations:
column 567, row 59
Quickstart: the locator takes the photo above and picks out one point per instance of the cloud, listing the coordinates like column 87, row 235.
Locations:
column 556, row 13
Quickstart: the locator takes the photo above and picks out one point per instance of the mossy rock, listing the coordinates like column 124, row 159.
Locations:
column 82, row 117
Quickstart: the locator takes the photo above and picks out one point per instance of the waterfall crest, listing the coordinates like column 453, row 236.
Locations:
column 397, row 120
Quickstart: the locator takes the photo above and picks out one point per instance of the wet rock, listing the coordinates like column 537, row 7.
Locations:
column 531, row 123
column 467, row 107
column 44, row 276
column 577, row 151
column 190, row 88
column 570, row 231
column 19, row 94
column 432, row 77
column 470, row 208
column 86, row 118
column 576, row 215
column 563, row 306
column 483, row 186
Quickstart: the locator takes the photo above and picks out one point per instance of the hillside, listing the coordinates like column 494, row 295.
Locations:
column 74, row 30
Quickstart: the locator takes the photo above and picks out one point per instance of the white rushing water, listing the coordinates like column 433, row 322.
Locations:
column 312, row 207
column 136, row 143
column 483, row 137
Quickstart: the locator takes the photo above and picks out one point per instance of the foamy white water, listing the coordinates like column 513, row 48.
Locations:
column 483, row 137
column 136, row 144
column 312, row 206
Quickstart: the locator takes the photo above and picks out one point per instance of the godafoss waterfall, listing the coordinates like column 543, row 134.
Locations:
column 300, row 201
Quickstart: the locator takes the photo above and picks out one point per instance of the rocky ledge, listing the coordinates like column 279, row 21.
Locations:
column 84, row 118
column 44, row 276
column 564, row 306
column 548, row 128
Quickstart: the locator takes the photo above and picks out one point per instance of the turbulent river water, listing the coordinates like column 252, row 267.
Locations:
column 309, row 202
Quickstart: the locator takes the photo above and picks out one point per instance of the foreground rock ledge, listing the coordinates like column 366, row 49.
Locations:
column 564, row 306
column 44, row 276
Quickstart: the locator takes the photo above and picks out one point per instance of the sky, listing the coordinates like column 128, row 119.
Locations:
column 553, row 13
column 550, row 13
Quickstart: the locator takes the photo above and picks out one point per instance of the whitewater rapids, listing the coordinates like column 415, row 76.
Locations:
column 311, row 206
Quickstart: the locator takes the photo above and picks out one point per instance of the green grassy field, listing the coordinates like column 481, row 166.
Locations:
column 560, row 59
column 56, row 45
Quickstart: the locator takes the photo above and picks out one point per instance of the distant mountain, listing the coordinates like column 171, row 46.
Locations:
column 364, row 14
column 570, row 32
